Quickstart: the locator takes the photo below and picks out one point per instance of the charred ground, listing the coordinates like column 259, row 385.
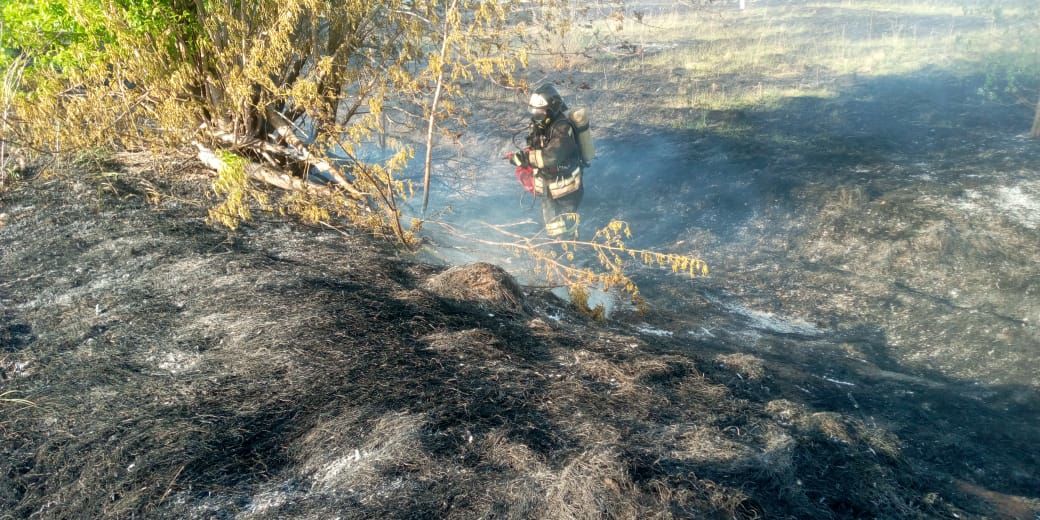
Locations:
column 878, row 247
column 177, row 371
column 282, row 371
column 865, row 348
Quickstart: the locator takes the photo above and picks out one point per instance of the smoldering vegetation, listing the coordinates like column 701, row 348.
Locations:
column 865, row 346
column 876, row 208
column 883, row 243
column 877, row 243
column 176, row 371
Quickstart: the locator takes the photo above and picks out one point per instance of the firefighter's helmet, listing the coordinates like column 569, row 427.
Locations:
column 545, row 102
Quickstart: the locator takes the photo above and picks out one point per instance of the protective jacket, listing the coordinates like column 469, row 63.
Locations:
column 555, row 157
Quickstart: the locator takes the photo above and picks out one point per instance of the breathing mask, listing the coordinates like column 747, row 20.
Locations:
column 538, row 108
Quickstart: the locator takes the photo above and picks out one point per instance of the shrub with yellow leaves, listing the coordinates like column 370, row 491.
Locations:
column 297, row 86
column 557, row 259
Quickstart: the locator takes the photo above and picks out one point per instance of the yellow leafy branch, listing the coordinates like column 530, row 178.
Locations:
column 555, row 258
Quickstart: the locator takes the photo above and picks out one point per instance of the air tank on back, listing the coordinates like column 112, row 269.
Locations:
column 580, row 119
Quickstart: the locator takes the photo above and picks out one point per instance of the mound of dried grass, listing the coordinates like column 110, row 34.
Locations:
column 483, row 283
column 745, row 366
column 591, row 485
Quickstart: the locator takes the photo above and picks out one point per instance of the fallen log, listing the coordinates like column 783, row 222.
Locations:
column 272, row 176
column 298, row 152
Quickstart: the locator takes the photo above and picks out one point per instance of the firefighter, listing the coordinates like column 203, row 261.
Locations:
column 555, row 157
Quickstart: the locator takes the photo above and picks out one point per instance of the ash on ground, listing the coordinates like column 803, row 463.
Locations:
column 177, row 371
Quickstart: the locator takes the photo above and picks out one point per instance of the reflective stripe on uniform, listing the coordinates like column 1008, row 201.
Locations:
column 563, row 224
column 560, row 187
column 535, row 158
column 556, row 227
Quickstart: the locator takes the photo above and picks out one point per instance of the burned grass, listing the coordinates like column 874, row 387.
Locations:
column 874, row 246
column 288, row 372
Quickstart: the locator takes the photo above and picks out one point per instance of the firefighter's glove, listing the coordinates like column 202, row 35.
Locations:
column 520, row 158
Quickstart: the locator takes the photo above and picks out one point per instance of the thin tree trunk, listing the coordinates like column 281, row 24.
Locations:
column 11, row 79
column 433, row 111
column 1036, row 122
column 427, row 167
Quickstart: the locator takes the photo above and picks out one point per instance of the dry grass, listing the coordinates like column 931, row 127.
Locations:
column 745, row 365
column 485, row 283
column 591, row 485
column 718, row 58
column 338, row 457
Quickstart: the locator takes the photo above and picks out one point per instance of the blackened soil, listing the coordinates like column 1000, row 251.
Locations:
column 176, row 371
column 881, row 247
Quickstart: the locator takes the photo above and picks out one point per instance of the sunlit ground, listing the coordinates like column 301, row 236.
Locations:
column 826, row 158
column 684, row 61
